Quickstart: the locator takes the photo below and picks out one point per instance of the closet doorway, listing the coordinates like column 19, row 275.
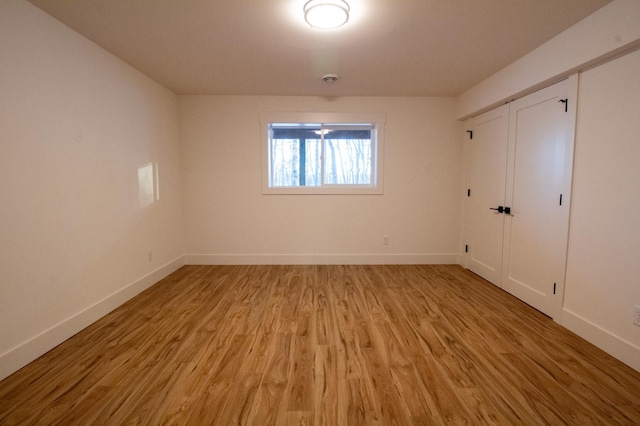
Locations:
column 517, row 215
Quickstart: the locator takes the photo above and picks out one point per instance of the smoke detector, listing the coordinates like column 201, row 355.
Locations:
column 330, row 78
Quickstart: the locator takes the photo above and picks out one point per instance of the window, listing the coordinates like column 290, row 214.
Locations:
column 330, row 154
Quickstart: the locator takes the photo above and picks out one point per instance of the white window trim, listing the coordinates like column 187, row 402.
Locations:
column 378, row 119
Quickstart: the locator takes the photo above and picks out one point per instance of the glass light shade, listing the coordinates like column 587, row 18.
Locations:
column 326, row 14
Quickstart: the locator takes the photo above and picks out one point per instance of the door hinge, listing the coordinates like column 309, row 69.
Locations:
column 468, row 193
column 566, row 104
column 466, row 248
column 554, row 288
column 470, row 134
column 560, row 199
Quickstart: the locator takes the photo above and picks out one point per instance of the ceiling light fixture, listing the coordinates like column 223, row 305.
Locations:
column 322, row 131
column 326, row 14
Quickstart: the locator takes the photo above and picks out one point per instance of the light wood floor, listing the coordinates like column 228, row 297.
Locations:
column 323, row 345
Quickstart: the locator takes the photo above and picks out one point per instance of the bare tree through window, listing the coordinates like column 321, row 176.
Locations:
column 317, row 155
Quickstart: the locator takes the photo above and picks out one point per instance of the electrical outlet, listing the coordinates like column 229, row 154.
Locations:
column 636, row 315
column 385, row 240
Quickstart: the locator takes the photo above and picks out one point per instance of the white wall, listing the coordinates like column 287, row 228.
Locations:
column 76, row 219
column 607, row 32
column 228, row 220
column 603, row 270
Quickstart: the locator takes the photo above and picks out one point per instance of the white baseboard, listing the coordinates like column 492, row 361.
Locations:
column 16, row 358
column 322, row 259
column 617, row 347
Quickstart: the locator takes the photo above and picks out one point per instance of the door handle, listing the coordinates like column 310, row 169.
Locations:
column 500, row 209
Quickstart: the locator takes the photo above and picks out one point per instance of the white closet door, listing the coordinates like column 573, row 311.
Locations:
column 487, row 180
column 538, row 187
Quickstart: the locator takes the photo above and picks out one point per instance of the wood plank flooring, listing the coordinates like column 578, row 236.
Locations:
column 323, row 345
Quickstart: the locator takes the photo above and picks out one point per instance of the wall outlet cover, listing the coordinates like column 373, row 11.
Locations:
column 636, row 315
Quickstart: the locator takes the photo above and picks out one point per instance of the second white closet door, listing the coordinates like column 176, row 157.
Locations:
column 538, row 188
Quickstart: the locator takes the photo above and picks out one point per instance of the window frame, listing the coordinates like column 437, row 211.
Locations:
column 328, row 119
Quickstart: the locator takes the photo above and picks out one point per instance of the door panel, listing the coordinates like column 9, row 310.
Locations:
column 535, row 236
column 487, row 180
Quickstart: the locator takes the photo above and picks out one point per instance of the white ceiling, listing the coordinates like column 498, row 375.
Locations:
column 264, row 47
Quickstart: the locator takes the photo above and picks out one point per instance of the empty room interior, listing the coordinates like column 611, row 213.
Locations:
column 227, row 212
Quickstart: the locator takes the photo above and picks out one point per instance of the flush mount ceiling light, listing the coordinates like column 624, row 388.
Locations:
column 326, row 14
column 322, row 131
